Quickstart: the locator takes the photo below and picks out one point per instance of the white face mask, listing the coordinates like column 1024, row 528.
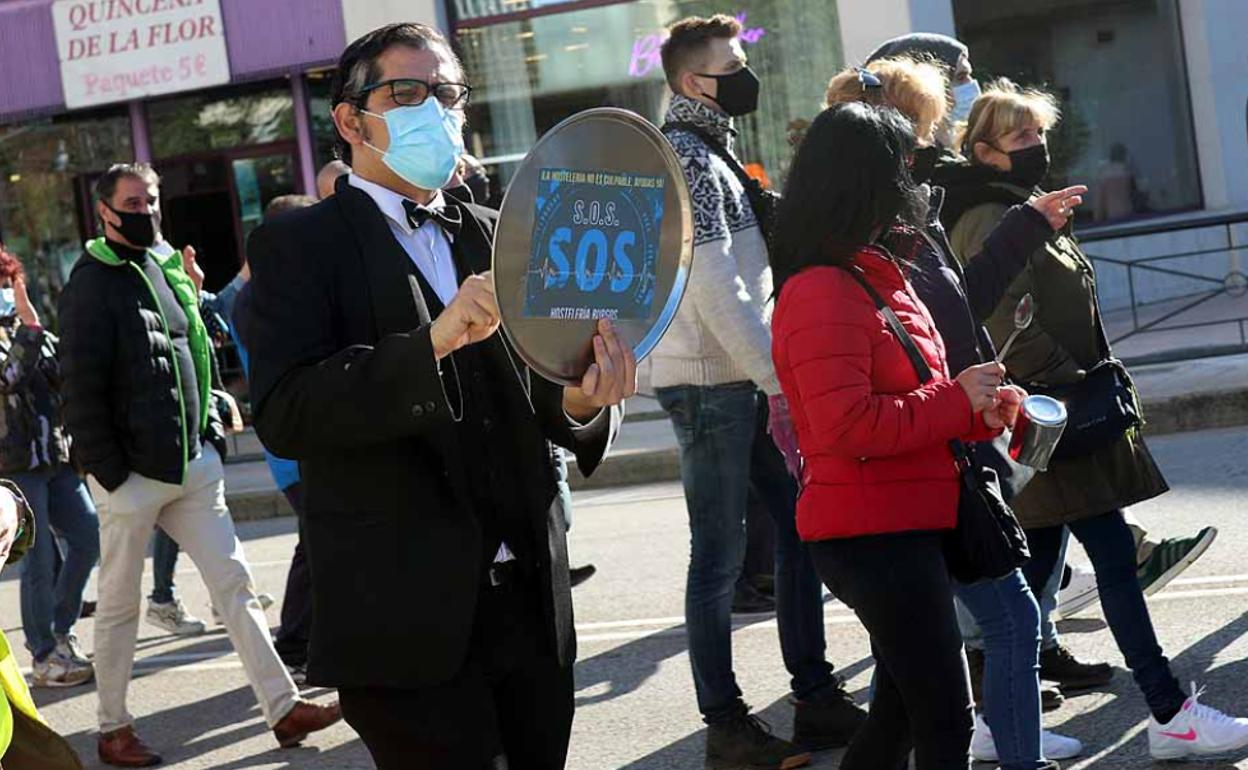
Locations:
column 964, row 96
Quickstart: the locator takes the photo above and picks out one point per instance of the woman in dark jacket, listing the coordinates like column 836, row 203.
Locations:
column 880, row 482
column 959, row 301
column 1005, row 142
column 34, row 454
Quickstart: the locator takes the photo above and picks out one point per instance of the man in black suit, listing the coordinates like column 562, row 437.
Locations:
column 422, row 438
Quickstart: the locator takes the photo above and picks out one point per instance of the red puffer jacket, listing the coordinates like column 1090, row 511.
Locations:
column 874, row 441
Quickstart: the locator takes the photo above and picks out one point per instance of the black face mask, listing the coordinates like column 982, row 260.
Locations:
column 924, row 163
column 738, row 92
column 138, row 229
column 1030, row 165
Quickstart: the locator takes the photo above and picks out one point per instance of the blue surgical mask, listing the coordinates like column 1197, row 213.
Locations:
column 426, row 141
column 8, row 305
column 964, row 96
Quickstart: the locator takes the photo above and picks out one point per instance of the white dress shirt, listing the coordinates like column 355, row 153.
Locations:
column 429, row 246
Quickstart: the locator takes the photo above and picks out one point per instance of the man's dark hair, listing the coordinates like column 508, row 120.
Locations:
column 283, row 203
column 687, row 41
column 106, row 185
column 358, row 67
column 831, row 208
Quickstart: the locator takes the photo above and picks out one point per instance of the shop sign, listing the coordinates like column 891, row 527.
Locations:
column 119, row 50
column 647, row 49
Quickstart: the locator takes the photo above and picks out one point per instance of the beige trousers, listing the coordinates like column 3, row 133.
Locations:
column 196, row 517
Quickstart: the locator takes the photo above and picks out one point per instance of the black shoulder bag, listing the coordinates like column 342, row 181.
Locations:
column 1100, row 408
column 988, row 542
column 764, row 203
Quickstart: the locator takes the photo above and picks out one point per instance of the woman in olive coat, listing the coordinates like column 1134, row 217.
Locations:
column 1007, row 159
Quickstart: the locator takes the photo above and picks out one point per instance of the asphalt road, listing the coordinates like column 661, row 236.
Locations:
column 635, row 699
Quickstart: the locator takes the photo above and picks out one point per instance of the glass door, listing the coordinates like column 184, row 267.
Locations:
column 257, row 180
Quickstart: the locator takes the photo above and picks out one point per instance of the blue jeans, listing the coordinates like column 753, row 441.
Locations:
column 63, row 510
column 164, row 562
column 973, row 636
column 724, row 449
column 1111, row 547
column 1010, row 621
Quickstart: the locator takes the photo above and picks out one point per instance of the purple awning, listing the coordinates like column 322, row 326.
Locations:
column 263, row 38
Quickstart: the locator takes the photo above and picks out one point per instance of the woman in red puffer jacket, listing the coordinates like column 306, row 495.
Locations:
column 879, row 478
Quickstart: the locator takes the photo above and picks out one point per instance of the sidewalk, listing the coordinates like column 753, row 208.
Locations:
column 1181, row 396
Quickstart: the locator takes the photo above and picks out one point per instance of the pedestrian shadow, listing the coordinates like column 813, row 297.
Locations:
column 212, row 724
column 1112, row 721
column 178, row 733
column 1081, row 625
column 205, row 651
column 622, row 670
column 690, row 751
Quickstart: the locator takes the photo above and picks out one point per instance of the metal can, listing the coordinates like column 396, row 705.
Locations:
column 1041, row 421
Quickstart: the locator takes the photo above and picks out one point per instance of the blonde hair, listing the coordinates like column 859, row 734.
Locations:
column 1004, row 107
column 916, row 88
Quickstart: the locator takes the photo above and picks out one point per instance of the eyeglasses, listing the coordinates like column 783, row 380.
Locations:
column 412, row 92
column 868, row 79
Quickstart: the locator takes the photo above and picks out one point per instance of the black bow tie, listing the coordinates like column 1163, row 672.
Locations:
column 447, row 217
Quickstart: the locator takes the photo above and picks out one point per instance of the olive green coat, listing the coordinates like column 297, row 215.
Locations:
column 1062, row 343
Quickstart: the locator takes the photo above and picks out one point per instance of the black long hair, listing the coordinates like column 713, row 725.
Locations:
column 849, row 182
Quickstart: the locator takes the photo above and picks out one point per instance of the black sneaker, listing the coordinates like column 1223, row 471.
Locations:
column 1060, row 665
column 298, row 673
column 826, row 720
column 746, row 600
column 1051, row 698
column 746, row 743
column 578, row 575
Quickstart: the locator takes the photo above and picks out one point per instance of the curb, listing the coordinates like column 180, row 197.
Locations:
column 1198, row 411
column 1178, row 414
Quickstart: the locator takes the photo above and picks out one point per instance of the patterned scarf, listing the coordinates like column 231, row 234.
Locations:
column 717, row 124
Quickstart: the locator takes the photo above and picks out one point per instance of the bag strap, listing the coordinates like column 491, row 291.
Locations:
column 961, row 453
column 753, row 190
column 714, row 146
column 894, row 323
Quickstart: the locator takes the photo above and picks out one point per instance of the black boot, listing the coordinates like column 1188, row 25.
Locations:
column 1051, row 698
column 578, row 575
column 745, row 741
column 746, row 600
column 1060, row 665
column 827, row 719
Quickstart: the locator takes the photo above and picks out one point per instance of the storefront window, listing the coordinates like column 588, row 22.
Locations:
column 1126, row 127
column 213, row 120
column 319, row 114
column 46, row 171
column 530, row 74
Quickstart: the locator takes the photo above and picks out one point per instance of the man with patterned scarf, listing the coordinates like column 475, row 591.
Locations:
column 714, row 377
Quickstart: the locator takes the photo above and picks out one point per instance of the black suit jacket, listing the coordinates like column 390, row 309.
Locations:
column 344, row 380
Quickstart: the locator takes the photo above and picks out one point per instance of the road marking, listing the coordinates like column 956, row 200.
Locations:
column 668, row 627
column 1200, row 581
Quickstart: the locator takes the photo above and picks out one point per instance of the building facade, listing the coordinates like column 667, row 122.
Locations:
column 228, row 99
column 1153, row 95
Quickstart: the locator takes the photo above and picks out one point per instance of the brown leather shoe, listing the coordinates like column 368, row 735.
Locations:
column 303, row 719
column 123, row 748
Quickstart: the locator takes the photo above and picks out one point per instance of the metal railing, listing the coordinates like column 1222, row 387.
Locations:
column 1200, row 302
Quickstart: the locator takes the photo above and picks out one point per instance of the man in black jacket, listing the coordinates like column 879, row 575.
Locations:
column 138, row 367
column 421, row 436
